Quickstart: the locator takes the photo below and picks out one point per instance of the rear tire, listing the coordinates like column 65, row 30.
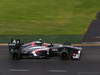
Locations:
column 64, row 56
column 51, row 53
column 16, row 55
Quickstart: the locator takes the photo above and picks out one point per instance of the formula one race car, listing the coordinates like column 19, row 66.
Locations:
column 39, row 49
column 36, row 49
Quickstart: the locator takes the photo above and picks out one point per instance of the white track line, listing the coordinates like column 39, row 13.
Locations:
column 60, row 71
column 82, row 44
column 19, row 70
column 88, row 73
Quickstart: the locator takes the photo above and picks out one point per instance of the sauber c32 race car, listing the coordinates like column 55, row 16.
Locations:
column 39, row 49
column 35, row 49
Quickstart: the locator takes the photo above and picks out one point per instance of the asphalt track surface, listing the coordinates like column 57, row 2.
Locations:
column 89, row 64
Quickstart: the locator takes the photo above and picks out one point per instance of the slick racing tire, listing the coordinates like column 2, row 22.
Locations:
column 64, row 55
column 51, row 53
column 16, row 55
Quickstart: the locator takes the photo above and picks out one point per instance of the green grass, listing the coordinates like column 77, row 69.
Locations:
column 46, row 17
column 46, row 38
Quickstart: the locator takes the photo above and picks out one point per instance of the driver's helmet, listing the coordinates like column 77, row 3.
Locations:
column 38, row 43
column 40, row 40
